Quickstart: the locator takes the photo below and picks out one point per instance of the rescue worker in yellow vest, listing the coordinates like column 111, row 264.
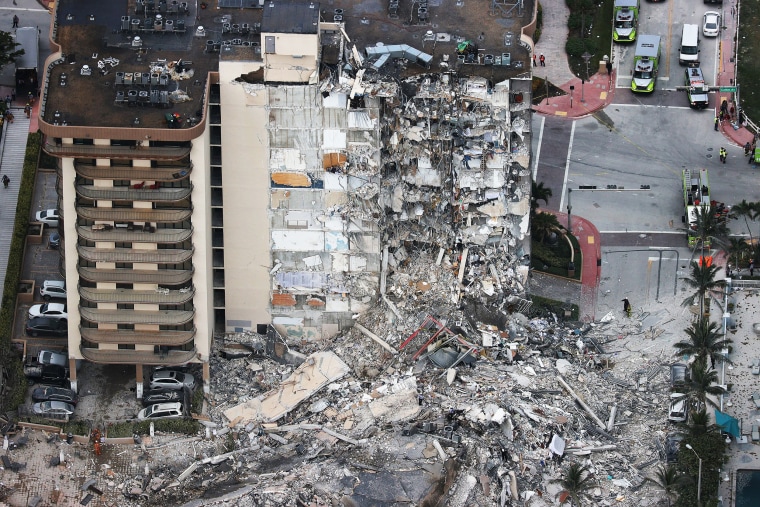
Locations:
column 723, row 154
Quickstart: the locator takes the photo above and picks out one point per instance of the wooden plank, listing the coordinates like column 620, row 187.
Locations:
column 291, row 179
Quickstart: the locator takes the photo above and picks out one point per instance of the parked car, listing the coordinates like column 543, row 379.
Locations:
column 40, row 394
column 678, row 411
column 49, row 217
column 153, row 396
column 170, row 379
column 45, row 326
column 52, row 310
column 53, row 408
column 679, row 373
column 672, row 446
column 162, row 411
column 51, row 357
column 47, row 374
column 53, row 289
column 54, row 241
column 711, row 24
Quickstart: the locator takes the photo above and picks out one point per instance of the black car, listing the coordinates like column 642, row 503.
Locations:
column 153, row 396
column 672, row 446
column 45, row 326
column 54, row 241
column 54, row 394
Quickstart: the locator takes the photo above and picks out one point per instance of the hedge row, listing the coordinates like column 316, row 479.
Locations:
column 127, row 429
column 17, row 393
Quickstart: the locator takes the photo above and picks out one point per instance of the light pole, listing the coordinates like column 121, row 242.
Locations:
column 699, row 477
column 569, row 210
column 586, row 58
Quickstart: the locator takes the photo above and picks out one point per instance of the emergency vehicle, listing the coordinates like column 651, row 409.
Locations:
column 626, row 20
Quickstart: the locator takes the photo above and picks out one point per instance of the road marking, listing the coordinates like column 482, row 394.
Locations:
column 538, row 150
column 567, row 168
column 22, row 9
column 625, row 231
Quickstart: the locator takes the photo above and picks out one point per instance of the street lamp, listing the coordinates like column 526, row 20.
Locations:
column 586, row 58
column 699, row 477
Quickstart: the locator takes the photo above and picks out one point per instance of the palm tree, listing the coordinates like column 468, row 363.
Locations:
column 736, row 248
column 707, row 226
column 538, row 192
column 576, row 482
column 669, row 480
column 544, row 223
column 703, row 382
column 700, row 423
column 703, row 280
column 747, row 210
column 705, row 342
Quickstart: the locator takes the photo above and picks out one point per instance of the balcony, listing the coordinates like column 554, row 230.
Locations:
column 117, row 152
column 168, row 358
column 92, row 172
column 129, row 296
column 162, row 338
column 160, row 276
column 173, row 256
column 133, row 194
column 123, row 235
column 157, row 318
column 161, row 215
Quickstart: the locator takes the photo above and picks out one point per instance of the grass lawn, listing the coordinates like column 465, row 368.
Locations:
column 555, row 259
column 748, row 72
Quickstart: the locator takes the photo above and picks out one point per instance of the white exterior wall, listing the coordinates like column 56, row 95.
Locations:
column 294, row 59
column 245, row 184
column 201, row 220
column 68, row 202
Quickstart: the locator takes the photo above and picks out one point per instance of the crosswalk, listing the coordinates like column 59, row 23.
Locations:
column 13, row 149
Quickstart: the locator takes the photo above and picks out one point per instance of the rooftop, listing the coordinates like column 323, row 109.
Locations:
column 145, row 59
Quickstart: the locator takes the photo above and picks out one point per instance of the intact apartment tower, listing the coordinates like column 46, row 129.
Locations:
column 239, row 164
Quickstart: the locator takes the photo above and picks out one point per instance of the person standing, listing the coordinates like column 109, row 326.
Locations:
column 627, row 307
column 747, row 148
column 15, row 21
column 542, row 59
column 28, row 110
column 723, row 154
column 752, row 268
column 6, row 180
column 534, row 60
column 717, row 122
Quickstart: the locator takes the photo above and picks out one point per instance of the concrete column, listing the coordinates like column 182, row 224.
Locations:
column 206, row 377
column 139, row 379
column 73, row 373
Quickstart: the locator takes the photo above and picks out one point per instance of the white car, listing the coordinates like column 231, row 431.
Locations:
column 678, row 411
column 169, row 379
column 48, row 216
column 711, row 24
column 53, row 289
column 51, row 310
column 162, row 411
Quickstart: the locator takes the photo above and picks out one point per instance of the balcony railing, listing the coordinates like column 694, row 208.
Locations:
column 158, row 318
column 173, row 256
column 168, row 358
column 129, row 296
column 160, row 215
column 124, row 235
column 133, row 194
column 117, row 152
column 160, row 276
column 129, row 337
column 93, row 172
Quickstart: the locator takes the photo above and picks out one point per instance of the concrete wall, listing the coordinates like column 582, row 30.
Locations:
column 201, row 219
column 245, row 183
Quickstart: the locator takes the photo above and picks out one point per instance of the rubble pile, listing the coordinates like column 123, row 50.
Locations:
column 451, row 413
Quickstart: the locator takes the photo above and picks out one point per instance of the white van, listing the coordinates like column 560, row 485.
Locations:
column 688, row 53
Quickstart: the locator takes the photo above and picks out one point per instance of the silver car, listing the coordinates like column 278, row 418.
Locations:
column 170, row 379
column 711, row 24
column 53, row 408
column 49, row 217
column 173, row 410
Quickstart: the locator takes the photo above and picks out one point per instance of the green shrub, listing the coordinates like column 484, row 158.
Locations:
column 127, row 429
column 575, row 46
column 13, row 273
column 196, row 405
column 539, row 23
